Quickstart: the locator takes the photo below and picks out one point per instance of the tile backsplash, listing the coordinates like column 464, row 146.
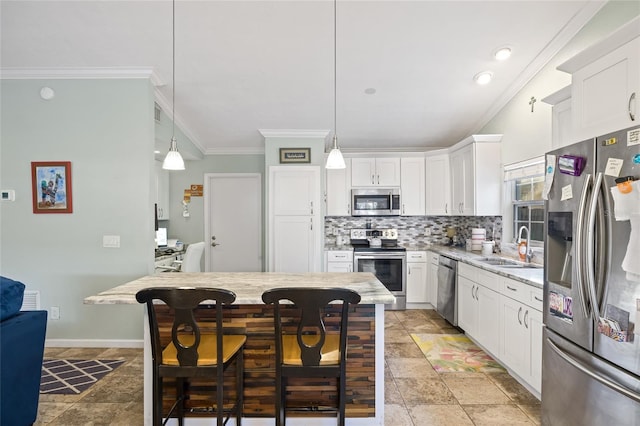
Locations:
column 413, row 229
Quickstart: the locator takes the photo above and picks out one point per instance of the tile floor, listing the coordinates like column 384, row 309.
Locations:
column 415, row 395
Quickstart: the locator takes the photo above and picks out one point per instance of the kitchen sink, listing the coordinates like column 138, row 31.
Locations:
column 507, row 263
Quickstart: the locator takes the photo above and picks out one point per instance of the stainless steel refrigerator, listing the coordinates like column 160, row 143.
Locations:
column 591, row 352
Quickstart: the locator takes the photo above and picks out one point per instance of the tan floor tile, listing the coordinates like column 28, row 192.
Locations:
column 117, row 353
column 397, row 415
column 402, row 350
column 439, row 415
column 391, row 393
column 113, row 388
column 411, row 367
column 81, row 353
column 533, row 411
column 424, row 391
column 89, row 414
column 495, row 415
column 48, row 411
column 131, row 414
column 514, row 390
column 475, row 390
column 397, row 335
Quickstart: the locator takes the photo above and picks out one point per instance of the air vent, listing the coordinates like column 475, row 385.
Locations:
column 156, row 111
column 31, row 301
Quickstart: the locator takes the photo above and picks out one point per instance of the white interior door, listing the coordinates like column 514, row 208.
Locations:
column 233, row 222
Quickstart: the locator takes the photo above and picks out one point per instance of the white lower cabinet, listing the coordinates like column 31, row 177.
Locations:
column 504, row 316
column 339, row 261
column 478, row 306
column 521, row 331
column 417, row 291
column 432, row 278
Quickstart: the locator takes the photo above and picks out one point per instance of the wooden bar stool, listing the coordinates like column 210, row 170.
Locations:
column 193, row 352
column 311, row 351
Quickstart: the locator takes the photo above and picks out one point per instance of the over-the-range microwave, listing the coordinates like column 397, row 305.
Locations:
column 375, row 202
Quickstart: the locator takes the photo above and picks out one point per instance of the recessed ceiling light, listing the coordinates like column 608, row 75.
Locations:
column 483, row 77
column 156, row 152
column 370, row 90
column 503, row 53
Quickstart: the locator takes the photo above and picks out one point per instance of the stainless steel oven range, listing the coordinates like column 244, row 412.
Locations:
column 377, row 251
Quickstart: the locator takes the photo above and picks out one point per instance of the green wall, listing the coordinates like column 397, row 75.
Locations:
column 105, row 128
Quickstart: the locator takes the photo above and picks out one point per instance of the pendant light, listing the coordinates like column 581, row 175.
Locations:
column 335, row 159
column 173, row 160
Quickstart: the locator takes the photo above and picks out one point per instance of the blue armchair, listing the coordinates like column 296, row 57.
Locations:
column 22, row 336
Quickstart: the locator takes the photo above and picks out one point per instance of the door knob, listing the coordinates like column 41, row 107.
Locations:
column 214, row 244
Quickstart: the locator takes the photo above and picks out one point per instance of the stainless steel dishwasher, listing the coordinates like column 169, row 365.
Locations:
column 447, row 305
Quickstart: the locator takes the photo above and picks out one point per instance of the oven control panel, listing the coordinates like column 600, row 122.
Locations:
column 365, row 234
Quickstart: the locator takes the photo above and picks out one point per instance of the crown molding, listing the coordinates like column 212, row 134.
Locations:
column 235, row 151
column 293, row 133
column 80, row 73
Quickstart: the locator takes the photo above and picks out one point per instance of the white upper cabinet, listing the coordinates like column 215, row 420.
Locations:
column 476, row 177
column 412, row 186
column 438, row 192
column 339, row 190
column 561, row 117
column 162, row 191
column 605, row 84
column 375, row 172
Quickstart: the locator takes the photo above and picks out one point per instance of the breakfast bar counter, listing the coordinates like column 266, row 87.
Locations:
column 365, row 362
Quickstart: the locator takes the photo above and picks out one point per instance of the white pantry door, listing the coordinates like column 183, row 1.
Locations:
column 233, row 222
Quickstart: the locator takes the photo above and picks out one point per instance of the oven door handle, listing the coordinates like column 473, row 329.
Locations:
column 381, row 257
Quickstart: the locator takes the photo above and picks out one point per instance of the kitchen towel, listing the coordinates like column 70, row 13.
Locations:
column 630, row 262
column 625, row 205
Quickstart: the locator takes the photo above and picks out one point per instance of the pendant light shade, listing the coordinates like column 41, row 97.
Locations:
column 335, row 159
column 173, row 160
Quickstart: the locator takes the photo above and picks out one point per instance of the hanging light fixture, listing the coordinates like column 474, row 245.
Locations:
column 173, row 160
column 335, row 159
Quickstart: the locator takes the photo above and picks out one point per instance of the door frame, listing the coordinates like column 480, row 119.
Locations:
column 207, row 214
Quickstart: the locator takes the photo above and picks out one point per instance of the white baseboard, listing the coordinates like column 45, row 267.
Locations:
column 93, row 343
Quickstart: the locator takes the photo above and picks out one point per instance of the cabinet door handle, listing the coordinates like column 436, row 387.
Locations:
column 378, row 179
column 446, row 206
column 402, row 208
column 526, row 314
column 632, row 115
column 311, row 223
column 409, row 270
column 477, row 289
column 348, row 208
column 312, row 207
column 519, row 312
column 373, row 179
column 512, row 289
column 537, row 298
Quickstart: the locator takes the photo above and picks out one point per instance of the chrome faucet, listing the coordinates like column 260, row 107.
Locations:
column 528, row 252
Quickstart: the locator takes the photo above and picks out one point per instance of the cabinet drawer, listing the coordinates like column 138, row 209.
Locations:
column 488, row 279
column 416, row 256
column 467, row 271
column 433, row 257
column 529, row 295
column 340, row 256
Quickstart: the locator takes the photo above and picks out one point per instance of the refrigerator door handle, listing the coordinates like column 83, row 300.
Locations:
column 579, row 244
column 597, row 377
column 590, row 247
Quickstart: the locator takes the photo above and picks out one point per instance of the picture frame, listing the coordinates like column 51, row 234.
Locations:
column 51, row 187
column 295, row 155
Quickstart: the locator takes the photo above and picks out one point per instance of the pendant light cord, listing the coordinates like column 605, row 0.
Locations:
column 335, row 67
column 173, row 72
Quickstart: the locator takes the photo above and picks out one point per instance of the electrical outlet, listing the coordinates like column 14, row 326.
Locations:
column 427, row 232
column 55, row 313
column 111, row 241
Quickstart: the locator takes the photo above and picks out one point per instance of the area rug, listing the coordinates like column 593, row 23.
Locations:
column 73, row 376
column 455, row 352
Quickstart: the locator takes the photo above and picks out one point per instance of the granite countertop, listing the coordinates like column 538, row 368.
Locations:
column 249, row 286
column 530, row 276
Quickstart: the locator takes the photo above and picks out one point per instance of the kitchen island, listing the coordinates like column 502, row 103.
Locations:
column 248, row 314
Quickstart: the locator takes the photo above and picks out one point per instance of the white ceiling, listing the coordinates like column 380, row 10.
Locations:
column 242, row 66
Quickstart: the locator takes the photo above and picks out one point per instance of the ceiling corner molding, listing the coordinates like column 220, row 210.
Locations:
column 78, row 73
column 293, row 133
column 235, row 151
column 561, row 39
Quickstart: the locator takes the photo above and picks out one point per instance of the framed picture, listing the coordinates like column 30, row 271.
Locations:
column 51, row 186
column 295, row 155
